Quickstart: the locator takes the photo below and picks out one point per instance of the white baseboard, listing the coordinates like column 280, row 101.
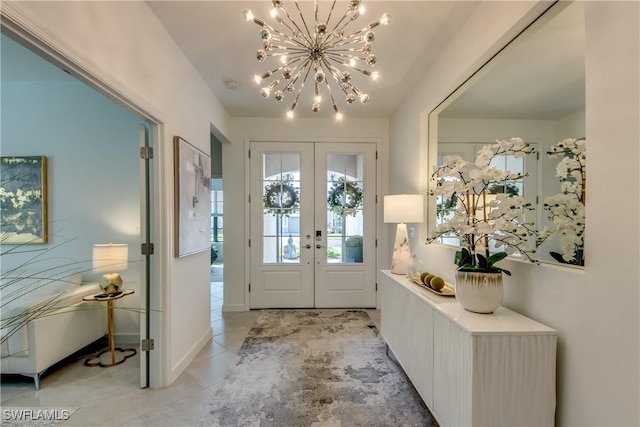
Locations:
column 234, row 307
column 127, row 338
column 191, row 354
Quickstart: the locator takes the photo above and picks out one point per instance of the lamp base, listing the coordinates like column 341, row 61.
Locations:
column 401, row 251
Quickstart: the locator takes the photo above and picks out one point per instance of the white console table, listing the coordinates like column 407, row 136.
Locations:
column 470, row 369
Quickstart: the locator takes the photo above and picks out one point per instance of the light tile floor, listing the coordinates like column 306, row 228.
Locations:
column 112, row 397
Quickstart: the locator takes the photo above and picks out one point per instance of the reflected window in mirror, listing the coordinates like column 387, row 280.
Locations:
column 526, row 187
column 534, row 89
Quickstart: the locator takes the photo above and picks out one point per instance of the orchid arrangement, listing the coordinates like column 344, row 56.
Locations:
column 482, row 217
column 567, row 208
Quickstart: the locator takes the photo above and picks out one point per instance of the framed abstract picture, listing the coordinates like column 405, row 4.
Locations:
column 192, row 174
column 23, row 200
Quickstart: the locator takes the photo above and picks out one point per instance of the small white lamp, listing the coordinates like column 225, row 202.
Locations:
column 110, row 257
column 402, row 209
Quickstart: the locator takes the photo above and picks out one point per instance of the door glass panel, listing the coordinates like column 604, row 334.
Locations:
column 281, row 208
column 345, row 215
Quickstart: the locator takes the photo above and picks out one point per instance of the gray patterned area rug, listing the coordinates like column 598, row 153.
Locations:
column 315, row 368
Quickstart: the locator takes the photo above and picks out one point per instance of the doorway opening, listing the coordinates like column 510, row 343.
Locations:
column 217, row 231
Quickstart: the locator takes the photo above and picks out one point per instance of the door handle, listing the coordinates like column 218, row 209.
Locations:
column 318, row 246
column 308, row 246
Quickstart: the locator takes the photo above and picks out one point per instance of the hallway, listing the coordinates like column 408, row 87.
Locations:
column 112, row 397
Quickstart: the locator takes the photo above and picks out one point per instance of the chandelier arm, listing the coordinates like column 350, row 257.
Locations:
column 333, row 5
column 333, row 101
column 280, row 68
column 301, row 70
column 299, row 30
column 286, row 37
column 323, row 40
column 337, row 75
column 301, row 87
column 356, row 34
column 349, row 40
column 335, row 55
column 355, row 16
column 351, row 49
column 304, row 21
column 333, row 34
column 365, row 72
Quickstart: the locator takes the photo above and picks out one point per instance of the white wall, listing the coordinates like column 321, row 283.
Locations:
column 235, row 186
column 128, row 52
column 91, row 145
column 596, row 311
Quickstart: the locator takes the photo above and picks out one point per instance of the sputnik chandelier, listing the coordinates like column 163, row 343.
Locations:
column 325, row 54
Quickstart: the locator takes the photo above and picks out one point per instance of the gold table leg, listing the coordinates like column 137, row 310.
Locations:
column 96, row 360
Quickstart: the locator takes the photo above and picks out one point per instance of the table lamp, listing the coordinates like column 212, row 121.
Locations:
column 402, row 209
column 110, row 257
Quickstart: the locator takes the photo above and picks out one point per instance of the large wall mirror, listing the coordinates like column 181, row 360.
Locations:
column 534, row 89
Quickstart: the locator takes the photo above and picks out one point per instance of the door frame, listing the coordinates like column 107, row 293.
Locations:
column 382, row 232
column 22, row 29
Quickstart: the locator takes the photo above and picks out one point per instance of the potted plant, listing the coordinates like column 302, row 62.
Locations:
column 353, row 249
column 483, row 220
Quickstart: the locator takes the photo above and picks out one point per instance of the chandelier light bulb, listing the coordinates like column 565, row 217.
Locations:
column 322, row 49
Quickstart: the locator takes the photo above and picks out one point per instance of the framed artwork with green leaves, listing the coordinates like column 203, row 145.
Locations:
column 23, row 200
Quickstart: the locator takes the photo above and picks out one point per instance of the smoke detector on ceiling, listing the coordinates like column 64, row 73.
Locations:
column 231, row 84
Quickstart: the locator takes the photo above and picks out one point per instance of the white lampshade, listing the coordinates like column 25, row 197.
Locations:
column 110, row 257
column 407, row 208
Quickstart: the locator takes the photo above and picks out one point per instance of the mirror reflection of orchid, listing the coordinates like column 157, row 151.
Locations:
column 566, row 209
column 482, row 218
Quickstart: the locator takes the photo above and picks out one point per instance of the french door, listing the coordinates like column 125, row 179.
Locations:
column 312, row 225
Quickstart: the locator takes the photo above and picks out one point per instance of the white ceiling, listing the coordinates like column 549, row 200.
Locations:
column 540, row 76
column 222, row 47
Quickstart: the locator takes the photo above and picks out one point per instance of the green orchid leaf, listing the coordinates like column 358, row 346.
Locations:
column 496, row 257
column 507, row 272
column 463, row 257
column 482, row 261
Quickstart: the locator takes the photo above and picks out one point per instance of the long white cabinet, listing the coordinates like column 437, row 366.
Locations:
column 470, row 369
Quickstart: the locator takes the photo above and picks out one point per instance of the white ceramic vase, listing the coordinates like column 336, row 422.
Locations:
column 479, row 292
